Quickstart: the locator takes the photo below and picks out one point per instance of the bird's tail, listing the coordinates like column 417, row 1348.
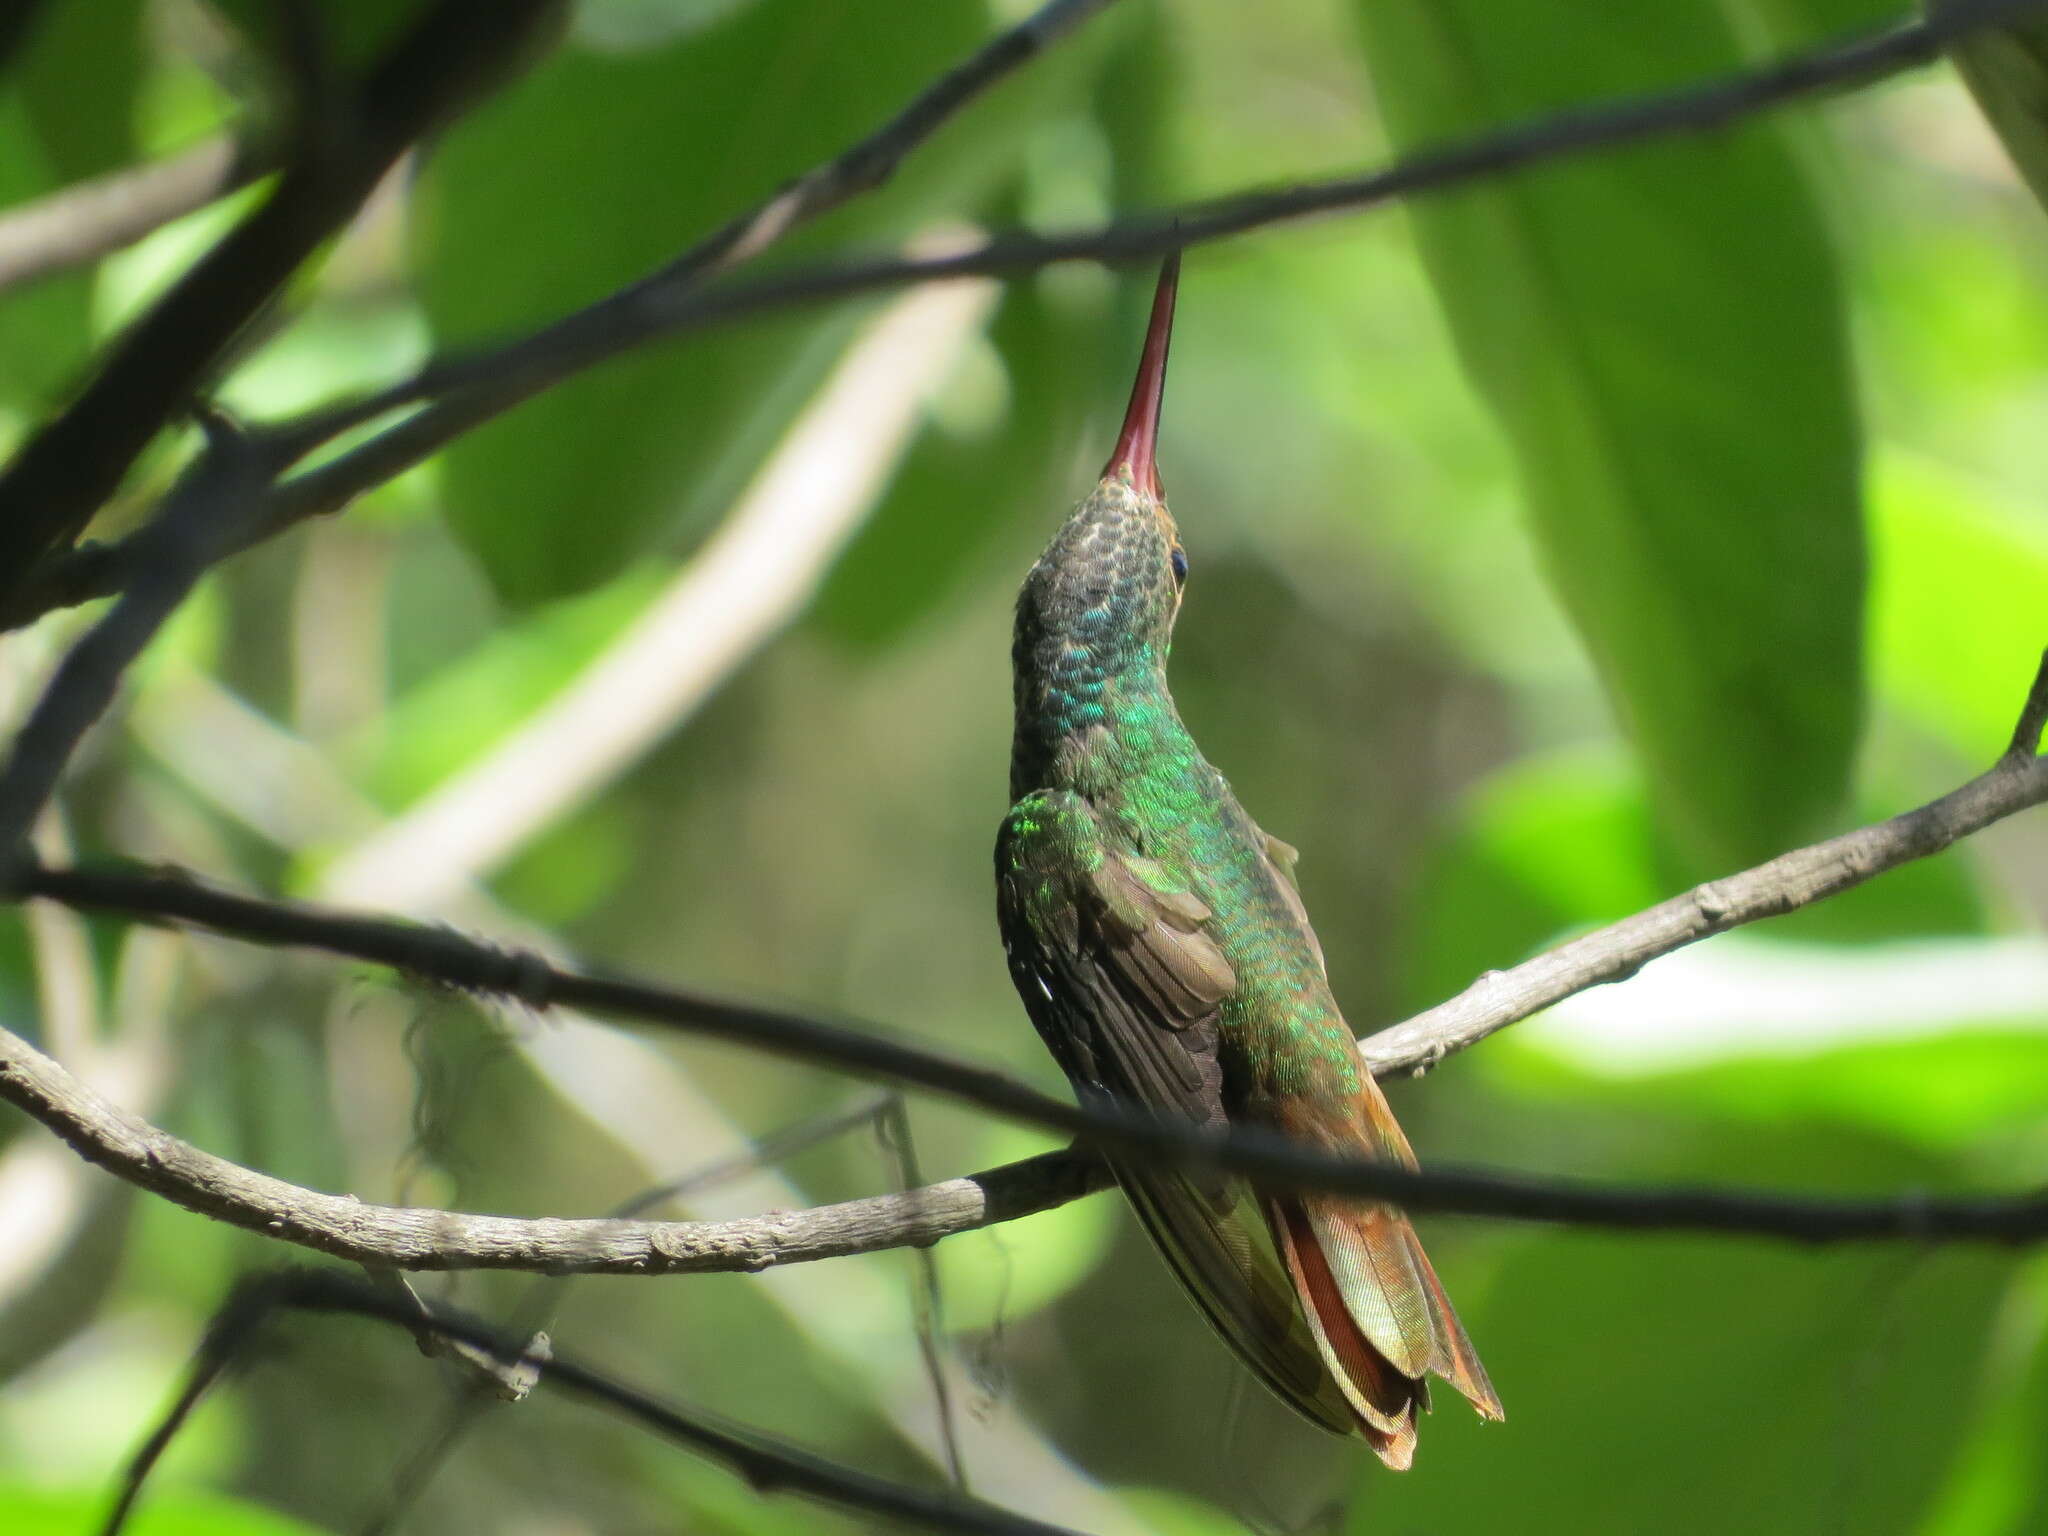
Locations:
column 1381, row 1319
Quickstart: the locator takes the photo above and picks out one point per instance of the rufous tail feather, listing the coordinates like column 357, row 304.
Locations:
column 1383, row 1399
column 1380, row 1316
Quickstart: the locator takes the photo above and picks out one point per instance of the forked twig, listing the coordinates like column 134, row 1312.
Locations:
column 768, row 1465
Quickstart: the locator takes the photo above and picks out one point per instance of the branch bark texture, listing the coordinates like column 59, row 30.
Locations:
column 2017, row 782
column 416, row 1239
column 426, row 75
column 767, row 1463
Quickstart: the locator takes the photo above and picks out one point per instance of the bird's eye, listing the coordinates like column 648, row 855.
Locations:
column 1179, row 560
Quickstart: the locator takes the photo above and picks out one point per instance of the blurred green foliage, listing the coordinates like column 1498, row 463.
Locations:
column 33, row 1512
column 1529, row 530
column 1674, row 380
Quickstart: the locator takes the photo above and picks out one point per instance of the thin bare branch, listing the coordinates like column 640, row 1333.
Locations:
column 860, row 168
column 410, row 1239
column 79, row 224
column 407, row 1238
column 2026, row 734
column 671, row 299
column 401, row 1238
column 468, row 390
column 2016, row 782
column 476, row 388
column 535, row 1311
column 69, row 467
column 96, row 571
column 765, row 1463
column 198, row 521
column 928, row 1296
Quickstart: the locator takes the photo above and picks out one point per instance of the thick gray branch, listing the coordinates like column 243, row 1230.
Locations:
column 406, row 1238
column 402, row 1238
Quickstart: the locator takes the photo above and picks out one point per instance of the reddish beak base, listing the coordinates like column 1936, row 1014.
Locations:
column 1137, row 444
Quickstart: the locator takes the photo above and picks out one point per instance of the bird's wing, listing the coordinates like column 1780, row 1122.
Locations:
column 1119, row 973
column 1281, row 859
column 1379, row 1312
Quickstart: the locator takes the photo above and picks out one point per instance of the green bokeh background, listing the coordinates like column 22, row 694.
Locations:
column 1554, row 544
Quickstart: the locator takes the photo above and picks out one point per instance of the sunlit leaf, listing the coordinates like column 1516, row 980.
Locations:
column 1959, row 609
column 29, row 1511
column 1948, row 1094
column 1546, row 845
column 1674, row 381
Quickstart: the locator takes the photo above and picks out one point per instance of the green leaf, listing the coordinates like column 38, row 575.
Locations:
column 66, row 112
column 1959, row 610
column 1659, row 331
column 352, row 34
column 1779, row 1381
column 1952, row 1094
column 79, row 83
column 440, row 724
column 1790, row 24
column 31, row 1511
column 45, row 328
column 632, row 156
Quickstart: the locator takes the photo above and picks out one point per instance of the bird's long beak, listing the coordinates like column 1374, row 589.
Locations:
column 1137, row 444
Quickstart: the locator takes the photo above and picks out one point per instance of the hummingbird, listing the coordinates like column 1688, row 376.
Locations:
column 1160, row 945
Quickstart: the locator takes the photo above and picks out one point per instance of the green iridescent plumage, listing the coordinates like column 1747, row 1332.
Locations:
column 1160, row 946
